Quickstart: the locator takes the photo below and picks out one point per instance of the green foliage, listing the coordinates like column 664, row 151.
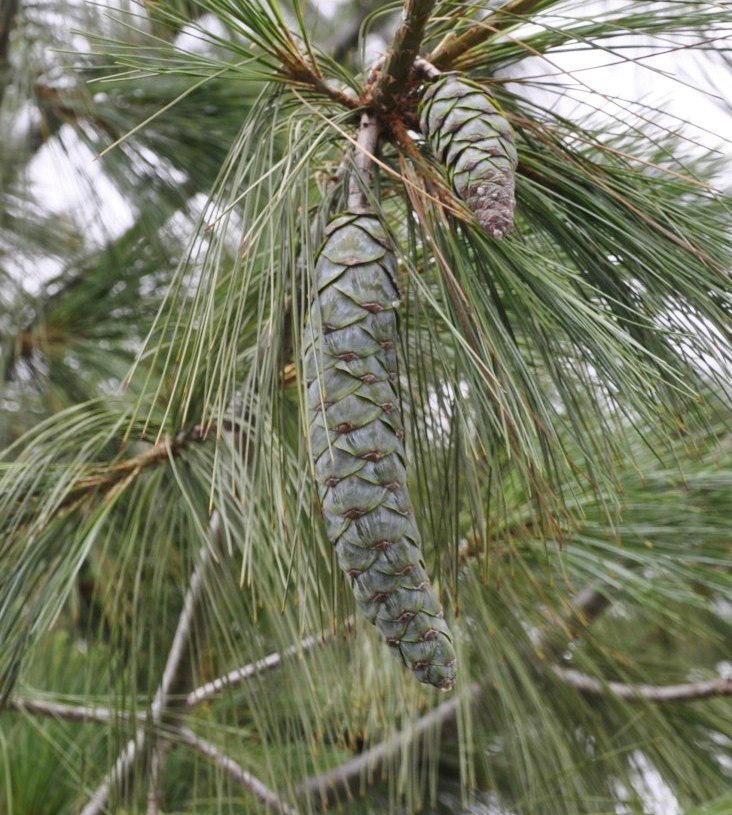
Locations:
column 565, row 396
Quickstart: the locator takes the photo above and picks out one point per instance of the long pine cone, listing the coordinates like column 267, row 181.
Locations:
column 475, row 143
column 356, row 435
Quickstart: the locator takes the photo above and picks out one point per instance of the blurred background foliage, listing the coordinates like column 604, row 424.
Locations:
column 165, row 175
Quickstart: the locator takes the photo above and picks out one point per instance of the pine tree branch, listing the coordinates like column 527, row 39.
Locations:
column 240, row 675
column 687, row 692
column 268, row 663
column 300, row 72
column 175, row 674
column 345, row 780
column 173, row 735
column 262, row 792
column 97, row 713
column 155, row 779
column 360, row 183
column 404, row 50
column 102, row 479
column 74, row 713
column 116, row 776
column 453, row 46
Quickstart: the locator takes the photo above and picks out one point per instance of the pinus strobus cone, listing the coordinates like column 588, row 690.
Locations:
column 356, row 440
column 475, row 143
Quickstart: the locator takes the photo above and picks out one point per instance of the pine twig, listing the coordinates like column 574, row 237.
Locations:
column 116, row 776
column 103, row 479
column 260, row 790
column 453, row 46
column 268, row 663
column 155, row 779
column 174, row 675
column 687, row 692
column 173, row 734
column 343, row 781
column 404, row 50
column 240, row 675
column 426, row 69
column 366, row 143
column 97, row 713
column 74, row 713
column 300, row 72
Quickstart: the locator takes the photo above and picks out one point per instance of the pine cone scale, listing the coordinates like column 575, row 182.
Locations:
column 356, row 443
column 475, row 143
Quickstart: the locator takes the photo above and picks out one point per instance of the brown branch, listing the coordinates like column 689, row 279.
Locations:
column 453, row 46
column 104, row 478
column 300, row 72
column 687, row 692
column 345, row 780
column 404, row 50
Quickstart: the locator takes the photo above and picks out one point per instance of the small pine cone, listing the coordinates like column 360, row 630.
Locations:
column 475, row 143
column 356, row 432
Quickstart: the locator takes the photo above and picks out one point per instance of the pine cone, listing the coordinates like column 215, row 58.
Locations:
column 475, row 143
column 356, row 443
